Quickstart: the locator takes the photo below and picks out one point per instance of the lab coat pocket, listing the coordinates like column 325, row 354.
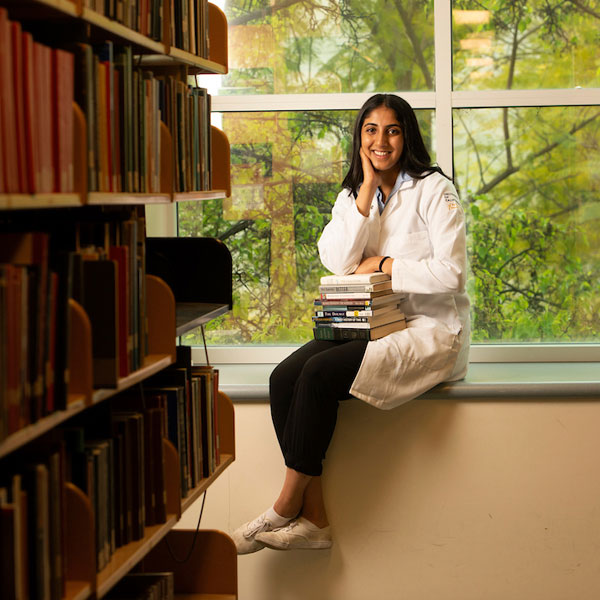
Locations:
column 410, row 245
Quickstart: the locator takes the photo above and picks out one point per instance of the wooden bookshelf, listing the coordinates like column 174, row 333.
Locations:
column 71, row 210
column 214, row 560
column 35, row 201
column 108, row 27
column 43, row 9
column 125, row 199
column 81, row 343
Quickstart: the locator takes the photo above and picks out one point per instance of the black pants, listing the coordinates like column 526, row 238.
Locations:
column 305, row 391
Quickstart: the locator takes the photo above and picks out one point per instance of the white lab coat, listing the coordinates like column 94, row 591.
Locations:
column 423, row 229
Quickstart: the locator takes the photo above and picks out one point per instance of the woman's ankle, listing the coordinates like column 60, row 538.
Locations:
column 317, row 518
column 286, row 509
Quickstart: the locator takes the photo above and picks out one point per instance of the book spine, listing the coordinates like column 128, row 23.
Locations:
column 347, row 296
column 344, row 313
column 331, row 333
column 351, row 288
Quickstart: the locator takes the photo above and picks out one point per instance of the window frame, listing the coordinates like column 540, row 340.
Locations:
column 443, row 101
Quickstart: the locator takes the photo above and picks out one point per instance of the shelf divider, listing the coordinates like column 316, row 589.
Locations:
column 80, row 544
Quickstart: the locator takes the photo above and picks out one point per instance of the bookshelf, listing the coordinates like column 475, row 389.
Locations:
column 99, row 202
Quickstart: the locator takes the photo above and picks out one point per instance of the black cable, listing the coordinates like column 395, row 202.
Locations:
column 189, row 554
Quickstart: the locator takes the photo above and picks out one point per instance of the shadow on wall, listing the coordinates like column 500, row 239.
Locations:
column 363, row 476
column 457, row 500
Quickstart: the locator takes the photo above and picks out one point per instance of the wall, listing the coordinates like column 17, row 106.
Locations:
column 438, row 499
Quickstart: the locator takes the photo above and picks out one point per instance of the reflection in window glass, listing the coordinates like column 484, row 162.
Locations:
column 526, row 44
column 302, row 46
column 286, row 172
column 530, row 185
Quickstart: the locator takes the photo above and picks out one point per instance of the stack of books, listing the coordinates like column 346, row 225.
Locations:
column 357, row 307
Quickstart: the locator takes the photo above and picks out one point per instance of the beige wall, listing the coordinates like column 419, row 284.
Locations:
column 436, row 500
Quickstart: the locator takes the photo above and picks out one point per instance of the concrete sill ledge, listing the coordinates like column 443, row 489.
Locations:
column 249, row 383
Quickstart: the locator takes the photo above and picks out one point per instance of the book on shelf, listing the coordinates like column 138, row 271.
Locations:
column 153, row 408
column 36, row 113
column 190, row 394
column 8, row 122
column 34, row 487
column 206, row 381
column 36, row 483
column 131, row 426
column 62, row 81
column 189, row 26
column 99, row 465
column 14, row 544
column 144, row 586
column 143, row 16
column 24, row 302
column 120, row 256
column 100, row 286
column 357, row 306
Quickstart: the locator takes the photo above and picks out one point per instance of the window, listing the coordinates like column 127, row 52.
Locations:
column 508, row 99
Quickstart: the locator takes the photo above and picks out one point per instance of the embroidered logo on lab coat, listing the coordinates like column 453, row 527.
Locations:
column 451, row 201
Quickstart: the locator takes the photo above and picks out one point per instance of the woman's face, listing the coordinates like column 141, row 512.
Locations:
column 381, row 138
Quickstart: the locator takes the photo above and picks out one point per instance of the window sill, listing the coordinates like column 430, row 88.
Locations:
column 249, row 382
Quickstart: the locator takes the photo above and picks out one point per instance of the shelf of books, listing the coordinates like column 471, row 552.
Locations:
column 28, row 416
column 84, row 123
column 124, row 33
column 107, row 431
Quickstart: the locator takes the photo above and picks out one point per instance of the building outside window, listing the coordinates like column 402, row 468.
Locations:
column 508, row 97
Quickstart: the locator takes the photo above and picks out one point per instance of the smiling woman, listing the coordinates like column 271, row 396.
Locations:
column 365, row 235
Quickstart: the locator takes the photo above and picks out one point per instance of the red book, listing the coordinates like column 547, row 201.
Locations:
column 8, row 128
column 62, row 118
column 17, row 69
column 29, row 251
column 32, row 150
column 43, row 87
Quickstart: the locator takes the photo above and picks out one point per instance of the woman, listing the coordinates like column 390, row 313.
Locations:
column 399, row 214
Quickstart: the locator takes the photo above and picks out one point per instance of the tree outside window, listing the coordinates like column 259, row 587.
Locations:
column 528, row 176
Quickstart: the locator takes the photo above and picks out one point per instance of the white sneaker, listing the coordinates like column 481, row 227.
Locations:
column 299, row 534
column 244, row 536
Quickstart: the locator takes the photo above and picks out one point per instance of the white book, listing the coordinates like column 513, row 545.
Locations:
column 360, row 287
column 354, row 278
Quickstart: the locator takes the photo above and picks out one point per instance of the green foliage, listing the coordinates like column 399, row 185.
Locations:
column 528, row 177
column 527, row 279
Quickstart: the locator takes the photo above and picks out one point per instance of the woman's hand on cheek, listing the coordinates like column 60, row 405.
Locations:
column 370, row 176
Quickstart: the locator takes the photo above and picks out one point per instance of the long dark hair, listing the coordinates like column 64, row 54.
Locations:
column 415, row 160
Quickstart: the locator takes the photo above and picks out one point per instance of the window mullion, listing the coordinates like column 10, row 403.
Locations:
column 443, row 84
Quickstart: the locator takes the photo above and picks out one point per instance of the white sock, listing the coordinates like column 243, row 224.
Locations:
column 276, row 518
